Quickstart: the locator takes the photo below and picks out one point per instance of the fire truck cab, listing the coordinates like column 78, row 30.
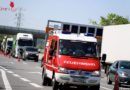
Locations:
column 71, row 59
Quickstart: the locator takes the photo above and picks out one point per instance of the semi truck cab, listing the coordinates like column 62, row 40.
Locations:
column 19, row 41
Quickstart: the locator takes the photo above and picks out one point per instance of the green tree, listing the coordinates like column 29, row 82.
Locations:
column 111, row 19
column 1, row 38
column 93, row 22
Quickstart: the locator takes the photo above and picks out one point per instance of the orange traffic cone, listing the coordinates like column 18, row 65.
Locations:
column 116, row 86
column 18, row 59
column 9, row 56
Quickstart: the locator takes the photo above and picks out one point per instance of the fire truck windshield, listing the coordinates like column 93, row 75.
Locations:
column 25, row 42
column 77, row 48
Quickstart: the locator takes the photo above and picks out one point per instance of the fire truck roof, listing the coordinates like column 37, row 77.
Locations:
column 79, row 37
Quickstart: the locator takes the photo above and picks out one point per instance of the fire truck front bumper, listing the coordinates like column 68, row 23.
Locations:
column 77, row 79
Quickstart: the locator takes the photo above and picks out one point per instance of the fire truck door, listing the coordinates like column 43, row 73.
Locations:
column 51, row 52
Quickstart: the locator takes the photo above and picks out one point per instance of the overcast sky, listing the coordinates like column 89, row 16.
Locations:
column 36, row 12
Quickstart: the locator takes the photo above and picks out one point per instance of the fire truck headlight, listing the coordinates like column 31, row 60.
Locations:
column 64, row 70
column 96, row 73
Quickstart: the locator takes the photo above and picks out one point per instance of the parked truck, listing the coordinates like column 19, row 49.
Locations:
column 6, row 44
column 115, row 44
column 19, row 41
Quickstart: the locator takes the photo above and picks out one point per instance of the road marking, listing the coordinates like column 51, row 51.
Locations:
column 24, row 63
column 10, row 72
column 38, row 67
column 24, row 79
column 5, row 80
column 105, row 88
column 3, row 68
column 16, row 75
column 12, row 62
column 35, row 85
column 36, row 73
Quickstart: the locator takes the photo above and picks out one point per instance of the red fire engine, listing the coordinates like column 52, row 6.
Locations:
column 71, row 59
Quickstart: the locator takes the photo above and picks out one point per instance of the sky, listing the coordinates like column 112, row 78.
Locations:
column 36, row 13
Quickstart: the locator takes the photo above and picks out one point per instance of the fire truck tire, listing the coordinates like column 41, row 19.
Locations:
column 95, row 87
column 44, row 78
column 55, row 84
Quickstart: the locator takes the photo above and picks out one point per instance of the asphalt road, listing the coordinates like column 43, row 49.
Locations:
column 26, row 75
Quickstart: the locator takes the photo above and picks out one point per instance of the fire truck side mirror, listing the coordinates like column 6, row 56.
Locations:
column 51, row 52
column 104, row 57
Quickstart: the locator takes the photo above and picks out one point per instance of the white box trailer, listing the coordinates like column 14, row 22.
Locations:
column 115, row 44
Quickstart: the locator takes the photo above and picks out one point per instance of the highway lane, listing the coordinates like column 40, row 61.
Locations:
column 26, row 75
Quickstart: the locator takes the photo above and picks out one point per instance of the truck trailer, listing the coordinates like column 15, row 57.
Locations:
column 115, row 44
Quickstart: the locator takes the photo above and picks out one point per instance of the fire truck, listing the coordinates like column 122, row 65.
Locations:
column 71, row 59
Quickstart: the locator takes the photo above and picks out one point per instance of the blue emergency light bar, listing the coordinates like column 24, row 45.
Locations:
column 89, row 34
column 66, row 32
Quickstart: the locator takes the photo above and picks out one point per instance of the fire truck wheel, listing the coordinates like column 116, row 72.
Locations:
column 95, row 87
column 44, row 78
column 55, row 84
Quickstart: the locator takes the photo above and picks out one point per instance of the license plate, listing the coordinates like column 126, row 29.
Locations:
column 79, row 80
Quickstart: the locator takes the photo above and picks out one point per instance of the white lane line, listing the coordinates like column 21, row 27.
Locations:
column 12, row 62
column 35, row 85
column 24, row 79
column 38, row 67
column 3, row 68
column 10, row 72
column 24, row 63
column 5, row 80
column 16, row 75
column 105, row 88
column 36, row 73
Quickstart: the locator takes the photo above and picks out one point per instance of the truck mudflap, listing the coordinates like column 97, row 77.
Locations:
column 77, row 79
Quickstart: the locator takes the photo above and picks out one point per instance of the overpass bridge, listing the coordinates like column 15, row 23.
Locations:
column 8, row 30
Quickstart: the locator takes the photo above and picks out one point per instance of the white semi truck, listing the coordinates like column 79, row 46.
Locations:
column 6, row 45
column 19, row 41
column 115, row 44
